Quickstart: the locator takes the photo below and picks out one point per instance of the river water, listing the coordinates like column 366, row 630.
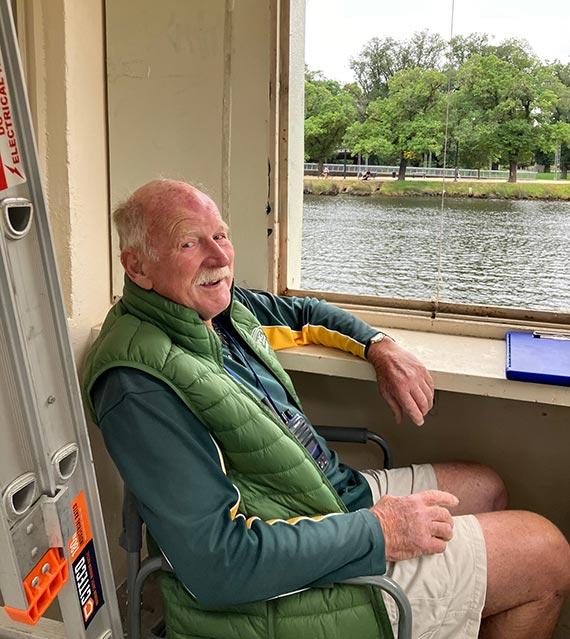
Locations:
column 493, row 252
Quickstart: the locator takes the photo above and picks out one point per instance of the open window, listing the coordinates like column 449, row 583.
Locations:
column 468, row 97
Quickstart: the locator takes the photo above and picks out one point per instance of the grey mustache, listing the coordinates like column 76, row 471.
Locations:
column 212, row 275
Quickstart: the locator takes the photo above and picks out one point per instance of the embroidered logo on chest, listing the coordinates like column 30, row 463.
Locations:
column 259, row 336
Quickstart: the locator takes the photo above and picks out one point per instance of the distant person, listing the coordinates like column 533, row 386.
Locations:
column 326, row 172
column 366, row 175
column 456, row 175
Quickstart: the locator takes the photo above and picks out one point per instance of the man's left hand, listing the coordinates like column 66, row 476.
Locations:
column 404, row 382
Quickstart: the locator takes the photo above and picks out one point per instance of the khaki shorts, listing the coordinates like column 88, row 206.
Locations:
column 447, row 590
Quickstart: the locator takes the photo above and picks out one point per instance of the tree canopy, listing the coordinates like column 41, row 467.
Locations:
column 328, row 112
column 497, row 103
column 408, row 121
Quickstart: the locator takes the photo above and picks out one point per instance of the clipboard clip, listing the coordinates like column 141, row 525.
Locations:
column 551, row 335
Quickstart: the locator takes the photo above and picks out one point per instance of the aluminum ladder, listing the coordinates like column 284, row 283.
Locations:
column 52, row 535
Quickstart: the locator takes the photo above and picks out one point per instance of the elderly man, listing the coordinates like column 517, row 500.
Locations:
column 243, row 498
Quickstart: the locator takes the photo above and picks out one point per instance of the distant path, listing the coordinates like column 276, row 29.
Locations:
column 433, row 179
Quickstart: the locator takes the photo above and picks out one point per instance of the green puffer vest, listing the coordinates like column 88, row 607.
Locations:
column 172, row 343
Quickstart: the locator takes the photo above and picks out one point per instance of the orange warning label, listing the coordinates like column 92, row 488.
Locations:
column 84, row 561
column 82, row 535
column 11, row 170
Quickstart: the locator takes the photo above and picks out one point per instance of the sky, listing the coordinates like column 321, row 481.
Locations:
column 338, row 29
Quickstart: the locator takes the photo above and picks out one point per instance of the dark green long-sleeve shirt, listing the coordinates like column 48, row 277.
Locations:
column 163, row 450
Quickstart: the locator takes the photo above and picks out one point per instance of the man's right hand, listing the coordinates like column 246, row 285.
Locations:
column 415, row 525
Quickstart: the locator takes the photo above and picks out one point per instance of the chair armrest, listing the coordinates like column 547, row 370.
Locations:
column 387, row 584
column 399, row 596
column 356, row 436
column 134, row 596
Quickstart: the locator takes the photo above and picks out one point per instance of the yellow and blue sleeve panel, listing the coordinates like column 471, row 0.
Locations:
column 297, row 321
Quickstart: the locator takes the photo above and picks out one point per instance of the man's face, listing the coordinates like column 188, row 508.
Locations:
column 195, row 258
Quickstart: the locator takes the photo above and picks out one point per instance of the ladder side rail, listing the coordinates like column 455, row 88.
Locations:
column 17, row 376
column 89, row 606
column 43, row 335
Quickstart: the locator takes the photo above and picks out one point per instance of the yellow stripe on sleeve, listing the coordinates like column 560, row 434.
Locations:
column 295, row 520
column 281, row 337
column 220, row 456
column 235, row 508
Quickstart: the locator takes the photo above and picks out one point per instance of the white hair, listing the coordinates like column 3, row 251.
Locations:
column 130, row 222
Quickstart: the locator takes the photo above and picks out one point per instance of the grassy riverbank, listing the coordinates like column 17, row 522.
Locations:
column 427, row 188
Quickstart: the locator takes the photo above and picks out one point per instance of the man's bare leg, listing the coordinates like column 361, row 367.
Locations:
column 528, row 575
column 528, row 558
column 478, row 488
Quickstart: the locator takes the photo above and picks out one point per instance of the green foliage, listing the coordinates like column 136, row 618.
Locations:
column 328, row 111
column 381, row 58
column 502, row 104
column 515, row 52
column 461, row 48
column 409, row 120
column 509, row 102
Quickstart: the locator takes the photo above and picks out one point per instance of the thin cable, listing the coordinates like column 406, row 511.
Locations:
column 439, row 276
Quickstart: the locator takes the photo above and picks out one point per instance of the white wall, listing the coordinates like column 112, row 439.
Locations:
column 189, row 98
column 64, row 65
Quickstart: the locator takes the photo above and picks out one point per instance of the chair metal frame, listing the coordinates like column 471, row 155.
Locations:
column 138, row 571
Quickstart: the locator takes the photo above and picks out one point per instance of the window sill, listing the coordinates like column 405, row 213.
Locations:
column 457, row 363
column 460, row 364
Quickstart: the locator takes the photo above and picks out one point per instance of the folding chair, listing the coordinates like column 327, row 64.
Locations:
column 138, row 571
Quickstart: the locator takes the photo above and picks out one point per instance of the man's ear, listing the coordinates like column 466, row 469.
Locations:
column 134, row 264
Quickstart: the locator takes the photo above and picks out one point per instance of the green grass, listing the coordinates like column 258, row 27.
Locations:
column 547, row 176
column 462, row 188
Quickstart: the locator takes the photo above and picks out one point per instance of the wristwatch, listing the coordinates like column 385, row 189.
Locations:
column 375, row 339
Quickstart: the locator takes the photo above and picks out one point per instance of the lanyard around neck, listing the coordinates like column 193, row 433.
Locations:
column 296, row 423
column 267, row 399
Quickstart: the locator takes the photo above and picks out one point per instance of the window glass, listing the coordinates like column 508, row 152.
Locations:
column 451, row 120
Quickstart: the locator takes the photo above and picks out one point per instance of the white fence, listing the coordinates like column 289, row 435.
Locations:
column 352, row 170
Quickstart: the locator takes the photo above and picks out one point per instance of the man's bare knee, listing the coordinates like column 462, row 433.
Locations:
column 478, row 487
column 553, row 553
column 494, row 487
column 528, row 559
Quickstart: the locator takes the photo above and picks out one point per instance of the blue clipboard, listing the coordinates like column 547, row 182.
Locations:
column 539, row 357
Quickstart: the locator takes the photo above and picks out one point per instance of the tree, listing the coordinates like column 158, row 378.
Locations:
column 564, row 161
column 408, row 122
column 328, row 111
column 512, row 99
column 461, row 48
column 516, row 52
column 562, row 116
column 381, row 58
column 477, row 143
